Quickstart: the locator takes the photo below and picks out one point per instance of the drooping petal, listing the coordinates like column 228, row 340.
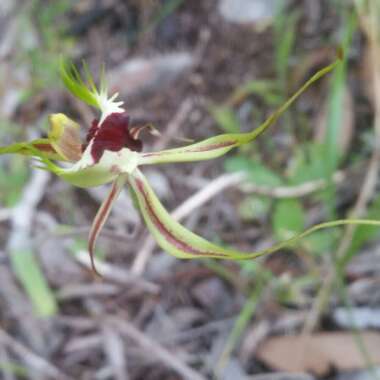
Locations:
column 182, row 243
column 219, row 145
column 102, row 216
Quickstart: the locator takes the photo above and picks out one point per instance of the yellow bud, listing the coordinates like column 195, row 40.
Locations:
column 64, row 137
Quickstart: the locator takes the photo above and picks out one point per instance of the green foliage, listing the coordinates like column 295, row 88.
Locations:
column 254, row 208
column 257, row 172
column 306, row 164
column 288, row 218
column 43, row 58
column 363, row 235
column 29, row 273
column 74, row 83
column 13, row 177
column 284, row 39
column 226, row 119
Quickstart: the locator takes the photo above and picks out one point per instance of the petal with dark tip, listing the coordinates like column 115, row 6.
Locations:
column 102, row 216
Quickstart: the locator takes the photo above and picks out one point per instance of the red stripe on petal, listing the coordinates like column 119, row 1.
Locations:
column 47, row 148
column 199, row 149
column 166, row 232
column 101, row 218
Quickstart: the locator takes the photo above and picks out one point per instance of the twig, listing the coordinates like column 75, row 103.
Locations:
column 86, row 290
column 175, row 124
column 22, row 214
column 292, row 191
column 88, row 342
column 5, row 214
column 156, row 350
column 21, row 220
column 33, row 360
column 115, row 352
column 117, row 274
column 4, row 360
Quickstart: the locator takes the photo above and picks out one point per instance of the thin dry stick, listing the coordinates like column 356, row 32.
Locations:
column 33, row 360
column 117, row 274
column 369, row 185
column 297, row 191
column 155, row 350
column 21, row 221
column 5, row 214
column 175, row 124
column 5, row 367
column 115, row 352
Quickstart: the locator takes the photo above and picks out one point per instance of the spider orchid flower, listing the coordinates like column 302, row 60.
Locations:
column 112, row 153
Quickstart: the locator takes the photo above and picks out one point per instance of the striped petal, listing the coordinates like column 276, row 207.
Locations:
column 62, row 144
column 182, row 243
column 37, row 148
column 220, row 145
column 102, row 216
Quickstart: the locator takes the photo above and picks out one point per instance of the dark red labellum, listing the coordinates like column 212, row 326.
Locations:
column 113, row 134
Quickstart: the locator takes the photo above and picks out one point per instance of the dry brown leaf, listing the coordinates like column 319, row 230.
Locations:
column 318, row 353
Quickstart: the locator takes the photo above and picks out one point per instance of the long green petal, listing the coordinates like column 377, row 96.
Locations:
column 182, row 243
column 37, row 148
column 62, row 144
column 219, row 145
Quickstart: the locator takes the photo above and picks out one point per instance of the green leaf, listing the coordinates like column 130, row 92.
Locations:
column 226, row 119
column 307, row 164
column 257, row 172
column 29, row 273
column 12, row 181
column 288, row 218
column 321, row 242
column 254, row 208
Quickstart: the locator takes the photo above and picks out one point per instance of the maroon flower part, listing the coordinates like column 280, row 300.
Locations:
column 113, row 134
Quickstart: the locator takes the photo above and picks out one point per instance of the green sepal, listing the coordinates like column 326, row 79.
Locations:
column 38, row 147
column 220, row 145
column 87, row 92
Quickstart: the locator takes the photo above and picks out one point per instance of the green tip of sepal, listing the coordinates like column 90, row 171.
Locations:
column 85, row 91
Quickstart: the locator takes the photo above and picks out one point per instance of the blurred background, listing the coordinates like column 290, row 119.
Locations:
column 195, row 69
